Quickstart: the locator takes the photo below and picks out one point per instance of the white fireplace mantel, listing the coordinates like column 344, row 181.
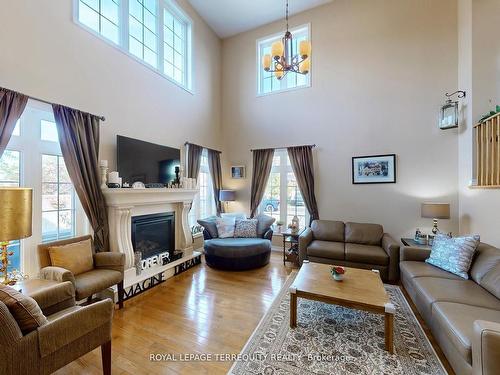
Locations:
column 123, row 204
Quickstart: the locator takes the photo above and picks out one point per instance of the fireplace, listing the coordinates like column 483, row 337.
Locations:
column 153, row 234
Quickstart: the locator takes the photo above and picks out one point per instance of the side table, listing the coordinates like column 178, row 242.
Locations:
column 291, row 254
column 411, row 242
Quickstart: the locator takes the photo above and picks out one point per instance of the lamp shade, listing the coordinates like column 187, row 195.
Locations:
column 15, row 213
column 305, row 49
column 435, row 210
column 277, row 49
column 304, row 66
column 227, row 195
column 266, row 62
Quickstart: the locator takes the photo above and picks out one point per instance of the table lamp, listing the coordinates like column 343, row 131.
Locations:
column 15, row 223
column 435, row 211
column 227, row 196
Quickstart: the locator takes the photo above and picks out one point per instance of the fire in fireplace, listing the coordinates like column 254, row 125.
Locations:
column 153, row 234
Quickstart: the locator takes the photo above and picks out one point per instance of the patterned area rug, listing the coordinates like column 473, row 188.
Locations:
column 331, row 339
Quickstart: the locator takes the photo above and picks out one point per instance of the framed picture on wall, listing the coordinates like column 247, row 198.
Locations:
column 237, row 171
column 375, row 169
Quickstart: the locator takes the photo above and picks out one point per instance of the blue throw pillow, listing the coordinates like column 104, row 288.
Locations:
column 209, row 225
column 453, row 254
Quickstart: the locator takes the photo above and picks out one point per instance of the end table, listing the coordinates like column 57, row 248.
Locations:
column 291, row 254
column 411, row 242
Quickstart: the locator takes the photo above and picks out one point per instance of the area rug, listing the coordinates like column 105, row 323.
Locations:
column 331, row 339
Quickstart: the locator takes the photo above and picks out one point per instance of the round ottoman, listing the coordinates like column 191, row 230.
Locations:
column 237, row 254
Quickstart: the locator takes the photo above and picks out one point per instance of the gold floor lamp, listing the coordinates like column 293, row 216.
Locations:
column 15, row 223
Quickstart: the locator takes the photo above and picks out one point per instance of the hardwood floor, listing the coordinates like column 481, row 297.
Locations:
column 200, row 311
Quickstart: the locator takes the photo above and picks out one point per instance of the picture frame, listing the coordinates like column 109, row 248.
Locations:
column 238, row 171
column 374, row 169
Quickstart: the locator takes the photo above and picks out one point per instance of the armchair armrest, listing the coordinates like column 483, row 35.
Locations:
column 57, row 274
column 70, row 327
column 416, row 254
column 268, row 235
column 485, row 348
column 391, row 247
column 54, row 298
column 305, row 239
column 110, row 260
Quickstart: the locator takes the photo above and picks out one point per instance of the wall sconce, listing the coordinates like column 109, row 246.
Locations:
column 448, row 117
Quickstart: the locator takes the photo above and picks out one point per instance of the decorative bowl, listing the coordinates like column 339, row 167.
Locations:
column 338, row 273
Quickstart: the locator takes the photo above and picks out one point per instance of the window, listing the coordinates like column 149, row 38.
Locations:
column 154, row 32
column 33, row 159
column 267, row 81
column 58, row 196
column 102, row 16
column 282, row 198
column 203, row 203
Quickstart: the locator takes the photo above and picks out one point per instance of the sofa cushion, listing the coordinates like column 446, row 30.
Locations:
column 326, row 249
column 24, row 309
column 485, row 268
column 95, row 281
column 453, row 254
column 328, row 230
column 456, row 321
column 491, row 281
column 432, row 289
column 366, row 254
column 421, row 269
column 209, row 225
column 366, row 234
column 264, row 223
column 76, row 257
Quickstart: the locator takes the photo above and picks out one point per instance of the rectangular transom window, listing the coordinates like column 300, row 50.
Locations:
column 156, row 33
column 267, row 81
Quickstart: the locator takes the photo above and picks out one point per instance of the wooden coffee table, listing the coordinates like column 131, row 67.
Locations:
column 360, row 289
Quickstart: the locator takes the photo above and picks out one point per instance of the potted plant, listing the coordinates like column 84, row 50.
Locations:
column 338, row 273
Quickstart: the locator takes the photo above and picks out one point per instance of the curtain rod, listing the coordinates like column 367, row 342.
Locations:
column 102, row 118
column 281, row 148
column 208, row 148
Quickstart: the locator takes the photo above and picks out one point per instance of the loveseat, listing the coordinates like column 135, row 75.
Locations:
column 463, row 315
column 237, row 254
column 356, row 245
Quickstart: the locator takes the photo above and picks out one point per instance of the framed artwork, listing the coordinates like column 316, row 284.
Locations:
column 237, row 171
column 376, row 169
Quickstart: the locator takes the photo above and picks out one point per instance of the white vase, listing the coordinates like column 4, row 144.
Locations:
column 338, row 276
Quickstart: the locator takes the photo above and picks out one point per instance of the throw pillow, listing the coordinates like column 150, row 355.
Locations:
column 24, row 309
column 264, row 223
column 453, row 254
column 245, row 228
column 75, row 257
column 225, row 226
column 210, row 226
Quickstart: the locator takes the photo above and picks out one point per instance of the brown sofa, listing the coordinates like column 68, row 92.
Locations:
column 71, row 331
column 352, row 245
column 463, row 315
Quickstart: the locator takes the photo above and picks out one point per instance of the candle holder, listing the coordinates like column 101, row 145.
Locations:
column 104, row 177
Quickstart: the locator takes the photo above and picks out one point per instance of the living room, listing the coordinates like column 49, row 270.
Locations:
column 383, row 124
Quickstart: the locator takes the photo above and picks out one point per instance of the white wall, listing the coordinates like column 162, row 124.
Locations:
column 479, row 74
column 46, row 55
column 380, row 71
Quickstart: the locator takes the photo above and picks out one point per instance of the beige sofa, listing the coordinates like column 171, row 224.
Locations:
column 463, row 315
column 352, row 245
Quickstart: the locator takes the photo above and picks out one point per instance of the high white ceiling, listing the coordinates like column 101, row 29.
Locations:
column 230, row 17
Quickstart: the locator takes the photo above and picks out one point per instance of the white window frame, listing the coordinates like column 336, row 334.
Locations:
column 283, row 169
column 196, row 212
column 31, row 147
column 123, row 45
column 261, row 43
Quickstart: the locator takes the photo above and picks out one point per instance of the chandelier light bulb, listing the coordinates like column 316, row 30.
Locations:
column 266, row 62
column 279, row 74
column 305, row 49
column 277, row 50
column 304, row 66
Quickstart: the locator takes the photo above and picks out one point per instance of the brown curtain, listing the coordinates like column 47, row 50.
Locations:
column 79, row 139
column 194, row 160
column 262, row 163
column 12, row 105
column 301, row 158
column 216, row 173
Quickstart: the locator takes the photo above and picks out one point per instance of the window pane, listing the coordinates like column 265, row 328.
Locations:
column 65, row 224
column 49, row 226
column 149, row 21
column 94, row 4
column 169, row 37
column 168, row 20
column 150, row 40
column 135, row 28
column 169, row 69
column 109, row 30
column 66, row 197
column 49, row 131
column 10, row 168
column 88, row 17
column 178, row 44
column 150, row 5
column 135, row 47
column 49, row 197
column 63, row 171
column 135, row 9
column 109, row 9
column 49, row 168
column 150, row 57
column 178, row 75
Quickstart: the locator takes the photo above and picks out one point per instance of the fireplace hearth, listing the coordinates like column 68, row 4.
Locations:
column 153, row 234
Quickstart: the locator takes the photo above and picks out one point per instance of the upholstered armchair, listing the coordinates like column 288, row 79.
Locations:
column 66, row 334
column 107, row 270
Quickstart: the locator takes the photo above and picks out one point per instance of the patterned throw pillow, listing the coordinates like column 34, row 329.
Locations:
column 225, row 226
column 246, row 228
column 453, row 254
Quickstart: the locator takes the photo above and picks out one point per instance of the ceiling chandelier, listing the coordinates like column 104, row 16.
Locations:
column 284, row 59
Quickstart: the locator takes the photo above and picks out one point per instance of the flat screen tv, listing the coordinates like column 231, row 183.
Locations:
column 146, row 162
